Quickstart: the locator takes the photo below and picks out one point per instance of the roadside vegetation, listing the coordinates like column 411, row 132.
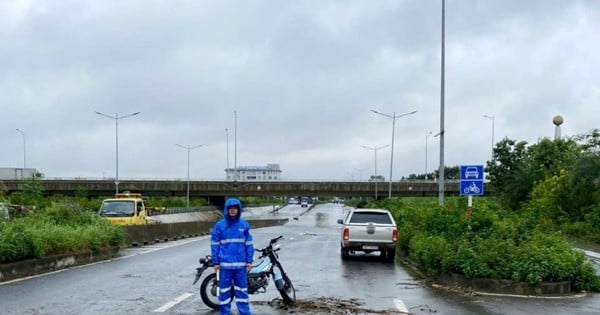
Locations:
column 547, row 195
column 34, row 226
column 61, row 227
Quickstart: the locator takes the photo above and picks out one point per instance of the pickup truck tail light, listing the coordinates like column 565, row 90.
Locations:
column 346, row 234
column 394, row 235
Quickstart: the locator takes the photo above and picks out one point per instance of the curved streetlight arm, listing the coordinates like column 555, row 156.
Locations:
column 188, row 147
column 394, row 116
column 376, row 148
column 116, row 118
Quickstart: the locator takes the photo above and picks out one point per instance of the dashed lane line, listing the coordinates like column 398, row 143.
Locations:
column 400, row 306
column 172, row 303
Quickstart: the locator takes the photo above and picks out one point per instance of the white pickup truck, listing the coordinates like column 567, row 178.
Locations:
column 369, row 230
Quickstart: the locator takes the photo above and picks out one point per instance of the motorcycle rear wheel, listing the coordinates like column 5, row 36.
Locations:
column 209, row 291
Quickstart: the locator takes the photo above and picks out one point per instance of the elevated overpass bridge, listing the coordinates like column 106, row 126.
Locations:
column 220, row 189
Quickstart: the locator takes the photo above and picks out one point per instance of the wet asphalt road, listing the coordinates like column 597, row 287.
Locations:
column 158, row 279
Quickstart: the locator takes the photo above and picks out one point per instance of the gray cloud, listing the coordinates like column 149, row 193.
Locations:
column 302, row 77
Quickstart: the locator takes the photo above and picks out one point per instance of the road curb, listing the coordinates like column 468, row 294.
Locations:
column 32, row 267
column 489, row 286
column 504, row 287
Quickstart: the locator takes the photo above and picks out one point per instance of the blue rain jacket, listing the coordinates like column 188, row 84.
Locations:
column 231, row 243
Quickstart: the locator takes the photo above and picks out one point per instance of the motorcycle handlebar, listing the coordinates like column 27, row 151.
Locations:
column 264, row 251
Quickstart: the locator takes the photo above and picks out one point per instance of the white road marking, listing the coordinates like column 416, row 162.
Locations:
column 174, row 302
column 400, row 306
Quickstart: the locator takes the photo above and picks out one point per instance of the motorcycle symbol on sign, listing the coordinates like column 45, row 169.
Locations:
column 471, row 189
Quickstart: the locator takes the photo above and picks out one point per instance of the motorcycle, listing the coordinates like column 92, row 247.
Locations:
column 268, row 267
column 471, row 188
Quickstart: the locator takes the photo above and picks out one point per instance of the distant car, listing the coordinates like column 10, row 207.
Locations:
column 369, row 230
column 304, row 203
column 471, row 172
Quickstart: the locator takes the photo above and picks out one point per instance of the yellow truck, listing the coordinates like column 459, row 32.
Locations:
column 128, row 209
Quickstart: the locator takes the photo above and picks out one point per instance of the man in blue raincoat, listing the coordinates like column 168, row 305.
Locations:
column 232, row 252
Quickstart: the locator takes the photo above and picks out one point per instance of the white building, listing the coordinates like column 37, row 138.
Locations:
column 254, row 173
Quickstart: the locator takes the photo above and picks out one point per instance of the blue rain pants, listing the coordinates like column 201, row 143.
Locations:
column 237, row 276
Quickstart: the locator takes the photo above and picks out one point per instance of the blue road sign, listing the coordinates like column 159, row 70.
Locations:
column 471, row 180
column 471, row 172
column 471, row 187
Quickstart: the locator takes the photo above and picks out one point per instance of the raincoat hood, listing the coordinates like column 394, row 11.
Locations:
column 229, row 203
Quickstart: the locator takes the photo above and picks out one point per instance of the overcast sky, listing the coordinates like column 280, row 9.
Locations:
column 302, row 76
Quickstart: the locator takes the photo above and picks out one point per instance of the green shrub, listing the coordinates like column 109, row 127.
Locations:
column 15, row 242
column 467, row 261
column 429, row 252
column 57, row 229
column 489, row 242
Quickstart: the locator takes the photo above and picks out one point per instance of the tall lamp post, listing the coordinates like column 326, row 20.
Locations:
column 188, row 148
column 426, row 138
column 376, row 178
column 227, row 136
column 235, row 176
column 116, row 118
column 24, row 155
column 491, row 117
column 442, row 100
column 393, row 117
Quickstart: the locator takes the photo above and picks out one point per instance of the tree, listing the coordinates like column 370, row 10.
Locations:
column 33, row 189
column 591, row 141
column 549, row 157
column 507, row 172
column 583, row 186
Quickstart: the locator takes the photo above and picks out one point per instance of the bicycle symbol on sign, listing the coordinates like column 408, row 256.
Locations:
column 471, row 189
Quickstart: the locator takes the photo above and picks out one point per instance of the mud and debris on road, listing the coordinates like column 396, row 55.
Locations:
column 329, row 305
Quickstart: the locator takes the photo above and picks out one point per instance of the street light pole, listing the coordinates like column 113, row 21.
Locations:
column 227, row 135
column 442, row 119
column 116, row 118
column 393, row 117
column 188, row 148
column 24, row 155
column 491, row 117
column 376, row 178
column 427, row 136
column 235, row 176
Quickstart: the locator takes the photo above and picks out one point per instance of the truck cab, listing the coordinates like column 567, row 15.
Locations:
column 126, row 209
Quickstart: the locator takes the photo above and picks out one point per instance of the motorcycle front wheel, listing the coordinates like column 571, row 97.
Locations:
column 287, row 291
column 209, row 291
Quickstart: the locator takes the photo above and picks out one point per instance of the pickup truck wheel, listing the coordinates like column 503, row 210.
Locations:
column 345, row 253
column 390, row 255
